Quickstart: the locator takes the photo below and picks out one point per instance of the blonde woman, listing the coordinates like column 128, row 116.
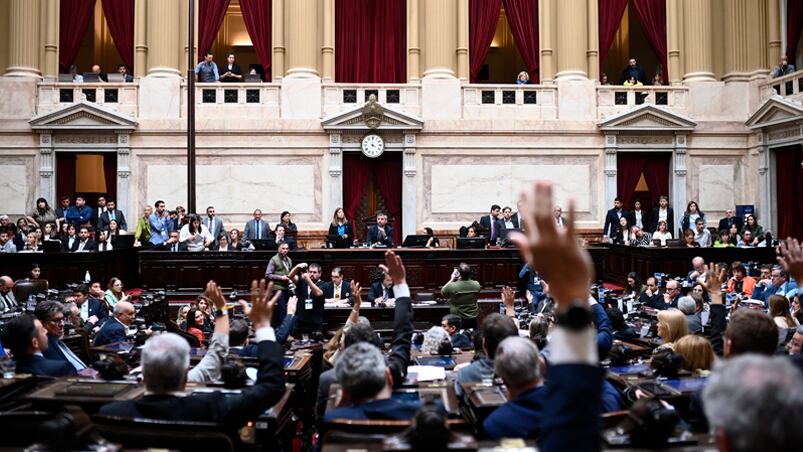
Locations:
column 523, row 78
column 340, row 226
column 672, row 325
column 697, row 352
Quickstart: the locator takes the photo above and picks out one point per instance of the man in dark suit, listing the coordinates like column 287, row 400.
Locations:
column 651, row 296
column 166, row 358
column 93, row 311
column 452, row 324
column 85, row 243
column 98, row 212
column 381, row 233
column 366, row 377
column 338, row 291
column 112, row 214
column 491, row 223
column 172, row 244
column 664, row 213
column 213, row 223
column 27, row 339
column 115, row 329
column 382, row 291
column 612, row 218
column 729, row 220
column 257, row 229
column 61, row 210
column 51, row 314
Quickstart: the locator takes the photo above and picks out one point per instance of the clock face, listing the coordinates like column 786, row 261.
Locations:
column 372, row 146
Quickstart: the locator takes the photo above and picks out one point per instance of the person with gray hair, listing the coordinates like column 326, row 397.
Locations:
column 51, row 314
column 688, row 306
column 115, row 329
column 749, row 401
column 436, row 339
column 367, row 380
column 518, row 363
column 165, row 360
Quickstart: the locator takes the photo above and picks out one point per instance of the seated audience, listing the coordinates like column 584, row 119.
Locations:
column 42, row 214
column 195, row 324
column 519, row 365
column 380, row 234
column 639, row 237
column 723, row 240
column 122, row 69
column 203, row 304
column 688, row 306
column 181, row 318
column 733, row 235
column 76, row 77
column 104, row 243
column 701, row 234
column 495, row 328
column 114, row 292
column 463, row 291
column 51, row 314
column 26, row 339
column 691, row 215
column 672, row 326
column 740, row 282
column 755, row 229
column 621, row 330
column 689, row 239
column 432, row 241
column 471, row 232
column 436, row 342
column 657, row 79
column 453, row 325
column 235, row 244
column 31, row 243
column 340, row 226
column 223, row 243
column 85, row 242
column 662, row 233
column 747, row 241
column 116, row 328
column 166, row 358
column 195, row 235
column 730, row 220
column 632, row 81
column 696, row 351
column 102, row 76
column 784, row 67
column 6, row 244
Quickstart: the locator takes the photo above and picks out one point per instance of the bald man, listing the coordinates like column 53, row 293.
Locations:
column 7, row 300
column 116, row 328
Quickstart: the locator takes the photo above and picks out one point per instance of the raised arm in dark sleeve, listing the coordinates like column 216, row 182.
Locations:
column 402, row 334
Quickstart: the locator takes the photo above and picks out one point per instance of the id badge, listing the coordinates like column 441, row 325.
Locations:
column 308, row 304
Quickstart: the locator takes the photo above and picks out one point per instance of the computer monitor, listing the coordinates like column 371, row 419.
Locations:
column 123, row 241
column 470, row 242
column 252, row 78
column 51, row 246
column 115, row 77
column 265, row 244
column 415, row 241
column 91, row 77
column 65, row 78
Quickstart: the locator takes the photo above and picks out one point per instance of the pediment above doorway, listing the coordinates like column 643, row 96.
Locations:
column 775, row 111
column 372, row 116
column 647, row 118
column 83, row 116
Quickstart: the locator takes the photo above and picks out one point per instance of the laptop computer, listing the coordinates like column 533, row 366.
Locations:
column 477, row 243
column 51, row 246
column 91, row 77
column 252, row 78
column 115, row 77
column 123, row 241
column 264, row 244
column 65, row 78
column 415, row 241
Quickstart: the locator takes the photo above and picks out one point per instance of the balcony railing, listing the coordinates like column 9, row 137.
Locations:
column 787, row 86
column 616, row 99
column 342, row 97
column 239, row 99
column 482, row 101
column 121, row 97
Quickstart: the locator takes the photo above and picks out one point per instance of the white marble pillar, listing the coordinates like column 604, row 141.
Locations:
column 47, row 168
column 764, row 184
column 409, row 187
column 124, row 174
column 335, row 172
column 678, row 164
column 610, row 170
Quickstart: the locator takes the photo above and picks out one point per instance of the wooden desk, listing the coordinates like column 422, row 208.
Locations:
column 90, row 398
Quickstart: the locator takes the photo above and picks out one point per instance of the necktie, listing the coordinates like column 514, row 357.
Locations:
column 493, row 228
column 175, row 247
column 70, row 356
column 257, row 234
column 385, row 293
column 210, row 225
column 337, row 293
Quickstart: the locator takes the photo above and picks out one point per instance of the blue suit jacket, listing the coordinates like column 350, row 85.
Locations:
column 53, row 352
column 111, row 332
column 39, row 365
column 373, row 235
column 572, row 405
column 518, row 418
column 376, row 409
column 96, row 308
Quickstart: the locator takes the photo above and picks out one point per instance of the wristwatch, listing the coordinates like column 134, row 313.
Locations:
column 221, row 312
column 577, row 317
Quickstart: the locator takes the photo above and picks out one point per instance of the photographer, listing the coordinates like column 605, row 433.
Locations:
column 463, row 292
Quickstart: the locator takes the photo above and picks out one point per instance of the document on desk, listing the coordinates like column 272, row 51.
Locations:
column 426, row 373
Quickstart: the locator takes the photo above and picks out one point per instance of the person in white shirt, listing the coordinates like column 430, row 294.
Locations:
column 195, row 234
column 662, row 233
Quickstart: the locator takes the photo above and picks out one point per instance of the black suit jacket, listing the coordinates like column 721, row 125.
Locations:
column 90, row 245
column 345, row 291
column 230, row 410
column 373, row 235
column 349, row 232
column 96, row 308
column 646, row 220
column 724, row 224
column 105, row 219
column 377, row 292
column 485, row 223
column 39, row 365
column 670, row 220
column 612, row 220
column 182, row 246
column 65, row 244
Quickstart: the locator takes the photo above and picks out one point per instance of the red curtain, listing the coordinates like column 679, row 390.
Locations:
column 110, row 174
column 652, row 15
column 610, row 17
column 483, row 15
column 73, row 19
column 789, row 179
column 65, row 176
column 120, row 18
column 210, row 17
column 656, row 174
column 356, row 172
column 522, row 16
column 257, row 18
column 371, row 41
column 388, row 177
column 794, row 23
column 629, row 167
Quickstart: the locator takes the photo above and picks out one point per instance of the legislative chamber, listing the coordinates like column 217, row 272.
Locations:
column 338, row 225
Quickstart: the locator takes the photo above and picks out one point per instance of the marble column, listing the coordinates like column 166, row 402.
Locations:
column 463, row 69
column 764, row 184
column 698, row 52
column 47, row 167
column 409, row 187
column 773, row 33
column 303, row 41
column 277, row 61
column 51, row 40
column 592, row 54
column 674, row 35
column 140, row 38
column 124, row 173
column 413, row 47
column 164, row 40
column 335, row 171
column 440, row 38
column 24, row 38
column 546, row 32
column 572, row 39
column 328, row 48
column 742, row 40
column 610, row 170
column 678, row 196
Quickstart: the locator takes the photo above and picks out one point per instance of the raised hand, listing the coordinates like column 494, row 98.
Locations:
column 355, row 291
column 552, row 252
column 261, row 303
column 213, row 293
column 713, row 283
column 791, row 258
column 394, row 267
column 509, row 300
column 292, row 303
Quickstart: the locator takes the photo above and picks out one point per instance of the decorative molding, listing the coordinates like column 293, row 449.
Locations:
column 610, row 172
column 123, row 174
column 646, row 139
column 122, row 138
column 610, row 139
column 792, row 132
column 85, row 139
column 46, row 174
column 44, row 139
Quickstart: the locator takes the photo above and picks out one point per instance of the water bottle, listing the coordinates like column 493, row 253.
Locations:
column 30, row 305
column 87, row 277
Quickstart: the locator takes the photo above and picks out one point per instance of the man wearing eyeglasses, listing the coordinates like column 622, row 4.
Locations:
column 51, row 314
